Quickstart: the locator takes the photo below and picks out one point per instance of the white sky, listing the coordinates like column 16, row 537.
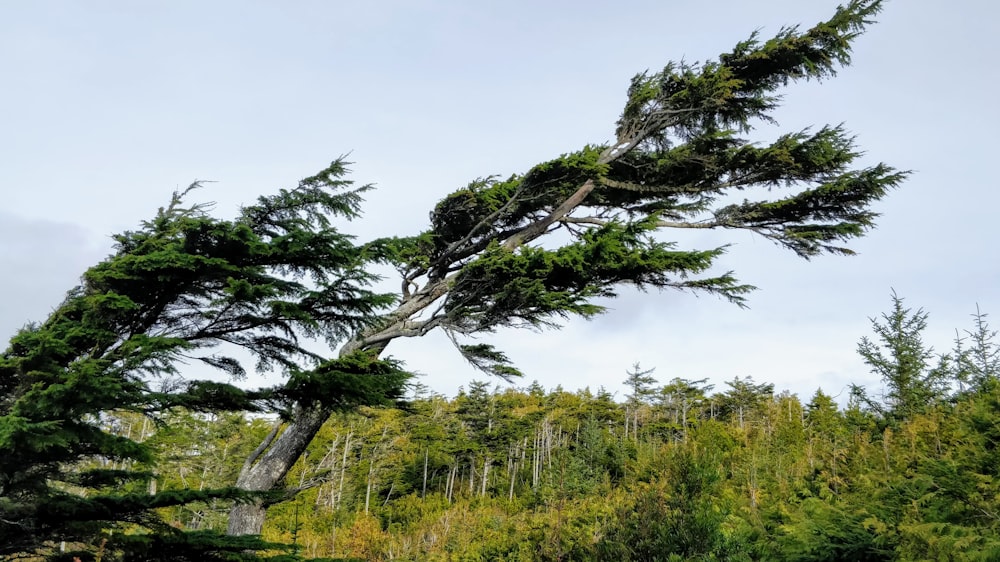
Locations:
column 107, row 106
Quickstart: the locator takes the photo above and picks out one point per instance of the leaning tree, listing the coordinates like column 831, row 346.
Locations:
column 538, row 247
column 185, row 287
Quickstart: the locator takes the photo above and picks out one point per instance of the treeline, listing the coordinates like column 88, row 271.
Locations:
column 677, row 471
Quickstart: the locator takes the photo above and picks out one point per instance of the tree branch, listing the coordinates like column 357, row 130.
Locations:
column 262, row 447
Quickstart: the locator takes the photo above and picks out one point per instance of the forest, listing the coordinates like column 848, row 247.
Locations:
column 129, row 430
column 673, row 471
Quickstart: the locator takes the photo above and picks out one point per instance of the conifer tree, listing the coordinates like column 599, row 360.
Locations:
column 640, row 382
column 605, row 211
column 744, row 399
column 174, row 291
column 977, row 355
column 903, row 362
column 681, row 401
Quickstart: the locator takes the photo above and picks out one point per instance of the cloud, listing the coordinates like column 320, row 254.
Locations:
column 41, row 260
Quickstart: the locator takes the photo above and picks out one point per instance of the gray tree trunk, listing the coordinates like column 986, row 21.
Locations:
column 266, row 469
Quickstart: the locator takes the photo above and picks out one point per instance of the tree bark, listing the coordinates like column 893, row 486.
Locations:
column 423, row 494
column 270, row 469
column 513, row 476
column 343, row 470
column 486, row 473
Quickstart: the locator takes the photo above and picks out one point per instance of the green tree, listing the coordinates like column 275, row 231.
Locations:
column 903, row 362
column 186, row 286
column 822, row 416
column 681, row 401
column 744, row 400
column 603, row 210
column 979, row 363
column 640, row 382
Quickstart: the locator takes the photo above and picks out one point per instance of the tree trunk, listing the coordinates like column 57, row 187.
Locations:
column 423, row 493
column 343, row 470
column 486, row 473
column 513, row 477
column 265, row 470
column 472, row 477
column 450, row 484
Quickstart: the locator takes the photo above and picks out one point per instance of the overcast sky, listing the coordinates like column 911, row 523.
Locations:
column 108, row 106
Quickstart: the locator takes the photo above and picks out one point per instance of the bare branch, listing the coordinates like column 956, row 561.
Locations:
column 536, row 229
column 660, row 224
column 263, row 446
column 402, row 329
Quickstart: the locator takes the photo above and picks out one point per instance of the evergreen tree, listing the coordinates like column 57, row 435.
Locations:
column 979, row 363
column 176, row 290
column 640, row 382
column 678, row 150
column 903, row 362
column 681, row 402
column 822, row 416
column 744, row 400
column 678, row 517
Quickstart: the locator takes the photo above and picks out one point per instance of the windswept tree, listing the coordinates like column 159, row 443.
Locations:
column 533, row 249
column 186, row 287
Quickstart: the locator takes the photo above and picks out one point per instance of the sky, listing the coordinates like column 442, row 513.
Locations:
column 109, row 106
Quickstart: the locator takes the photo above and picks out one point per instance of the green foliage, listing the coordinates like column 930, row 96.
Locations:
column 359, row 379
column 176, row 290
column 979, row 364
column 527, row 286
column 677, row 517
column 563, row 482
column 744, row 400
column 641, row 384
column 536, row 248
column 822, row 531
column 903, row 363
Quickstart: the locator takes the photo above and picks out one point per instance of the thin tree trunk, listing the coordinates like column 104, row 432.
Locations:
column 626, row 422
column 423, row 493
column 449, row 487
column 331, row 457
column 368, row 488
column 472, row 477
column 371, row 467
column 513, row 476
column 548, row 443
column 343, row 470
column 389, row 495
column 486, row 472
column 536, row 458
